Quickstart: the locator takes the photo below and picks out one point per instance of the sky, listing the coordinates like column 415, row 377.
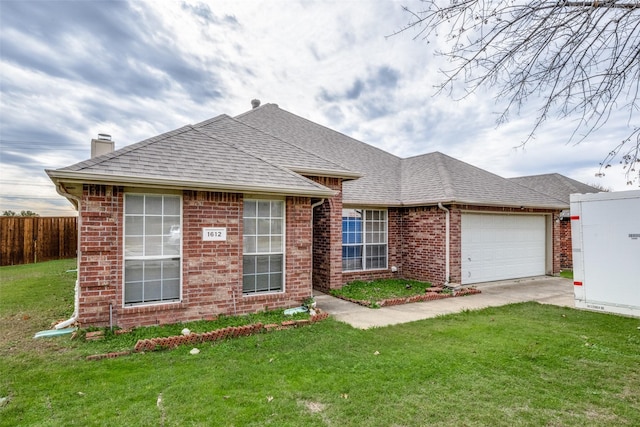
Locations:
column 70, row 70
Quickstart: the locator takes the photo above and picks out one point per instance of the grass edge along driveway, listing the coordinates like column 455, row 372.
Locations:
column 523, row 364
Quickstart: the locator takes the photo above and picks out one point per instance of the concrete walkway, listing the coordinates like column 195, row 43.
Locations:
column 545, row 290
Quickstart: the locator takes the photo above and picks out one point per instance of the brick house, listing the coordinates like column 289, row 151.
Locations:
column 560, row 187
column 237, row 215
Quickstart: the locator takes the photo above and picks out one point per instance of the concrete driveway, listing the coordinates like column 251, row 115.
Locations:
column 545, row 290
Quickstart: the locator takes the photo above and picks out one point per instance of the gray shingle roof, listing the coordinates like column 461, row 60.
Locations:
column 555, row 185
column 190, row 158
column 436, row 177
column 391, row 181
column 380, row 182
column 268, row 149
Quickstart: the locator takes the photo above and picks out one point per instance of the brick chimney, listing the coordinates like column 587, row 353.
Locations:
column 102, row 145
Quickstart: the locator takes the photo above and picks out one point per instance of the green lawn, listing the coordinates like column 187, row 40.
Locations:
column 377, row 290
column 567, row 274
column 519, row 365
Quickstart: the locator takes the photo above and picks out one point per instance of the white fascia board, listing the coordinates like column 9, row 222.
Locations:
column 72, row 177
column 509, row 204
column 448, row 202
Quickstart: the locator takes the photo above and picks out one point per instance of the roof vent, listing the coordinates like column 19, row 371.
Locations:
column 255, row 103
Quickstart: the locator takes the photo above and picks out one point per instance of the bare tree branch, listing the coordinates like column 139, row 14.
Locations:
column 581, row 59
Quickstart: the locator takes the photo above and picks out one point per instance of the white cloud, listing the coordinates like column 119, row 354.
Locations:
column 136, row 69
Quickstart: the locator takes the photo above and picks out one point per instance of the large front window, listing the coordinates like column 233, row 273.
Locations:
column 364, row 239
column 263, row 246
column 152, row 248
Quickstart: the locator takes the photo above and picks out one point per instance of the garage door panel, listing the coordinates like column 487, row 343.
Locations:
column 499, row 247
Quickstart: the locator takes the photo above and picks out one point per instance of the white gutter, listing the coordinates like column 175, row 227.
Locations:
column 76, row 300
column 447, row 239
column 73, row 177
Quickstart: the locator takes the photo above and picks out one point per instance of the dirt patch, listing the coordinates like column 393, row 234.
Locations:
column 17, row 336
column 630, row 391
column 314, row 407
column 598, row 415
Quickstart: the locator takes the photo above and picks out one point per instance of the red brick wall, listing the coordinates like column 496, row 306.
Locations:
column 565, row 252
column 557, row 243
column 299, row 250
column 423, row 249
column 423, row 241
column 100, row 265
column 212, row 271
column 455, row 272
column 327, row 238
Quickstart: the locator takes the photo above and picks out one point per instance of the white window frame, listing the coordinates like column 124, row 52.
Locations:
column 256, row 252
column 367, row 244
column 158, row 257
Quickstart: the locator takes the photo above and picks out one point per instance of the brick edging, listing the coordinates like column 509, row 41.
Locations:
column 428, row 296
column 161, row 343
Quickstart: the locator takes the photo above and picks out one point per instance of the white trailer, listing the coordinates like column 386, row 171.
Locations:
column 605, row 233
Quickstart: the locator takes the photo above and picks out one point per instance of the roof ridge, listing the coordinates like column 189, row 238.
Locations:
column 259, row 107
column 444, row 176
column 127, row 149
column 449, row 188
column 338, row 167
column 319, row 125
column 211, row 120
column 534, row 189
column 422, row 155
column 572, row 182
column 257, row 157
column 557, row 178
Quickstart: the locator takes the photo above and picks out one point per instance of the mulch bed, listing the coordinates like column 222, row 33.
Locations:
column 430, row 294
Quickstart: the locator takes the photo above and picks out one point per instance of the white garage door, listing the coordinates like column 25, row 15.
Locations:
column 499, row 247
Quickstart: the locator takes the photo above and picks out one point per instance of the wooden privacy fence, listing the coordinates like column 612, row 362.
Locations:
column 25, row 240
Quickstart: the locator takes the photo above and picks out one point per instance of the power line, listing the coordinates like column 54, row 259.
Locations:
column 20, row 196
column 28, row 184
column 41, row 147
column 16, row 144
column 23, row 140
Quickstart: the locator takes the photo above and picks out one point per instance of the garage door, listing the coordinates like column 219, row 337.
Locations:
column 499, row 247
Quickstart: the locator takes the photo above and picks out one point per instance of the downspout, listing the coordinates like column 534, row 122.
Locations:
column 76, row 302
column 315, row 205
column 447, row 250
